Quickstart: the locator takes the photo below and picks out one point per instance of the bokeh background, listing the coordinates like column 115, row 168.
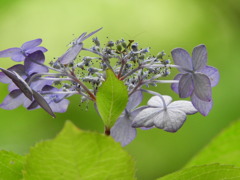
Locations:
column 161, row 24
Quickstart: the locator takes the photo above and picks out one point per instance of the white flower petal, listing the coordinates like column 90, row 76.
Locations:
column 145, row 117
column 185, row 106
column 156, row 101
column 170, row 120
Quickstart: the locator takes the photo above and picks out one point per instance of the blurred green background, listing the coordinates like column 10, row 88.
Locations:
column 161, row 24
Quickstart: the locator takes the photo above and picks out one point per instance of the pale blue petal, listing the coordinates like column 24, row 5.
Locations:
column 13, row 100
column 202, row 106
column 9, row 52
column 134, row 100
column 185, row 86
column 71, row 54
column 182, row 58
column 174, row 86
column 122, row 131
column 18, row 57
column 212, row 74
column 31, row 44
column 199, row 57
column 32, row 50
column 31, row 67
column 202, row 87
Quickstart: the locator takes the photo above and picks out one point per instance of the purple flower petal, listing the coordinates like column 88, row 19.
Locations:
column 212, row 73
column 39, row 84
column 182, row 58
column 170, row 120
column 71, row 54
column 13, row 100
column 174, row 86
column 19, row 68
column 134, row 100
column 199, row 57
column 185, row 87
column 9, row 52
column 31, row 67
column 32, row 50
column 31, row 44
column 18, row 57
column 59, row 107
column 23, row 86
column 122, row 131
column 185, row 106
column 43, row 103
column 202, row 87
column 202, row 106
column 156, row 101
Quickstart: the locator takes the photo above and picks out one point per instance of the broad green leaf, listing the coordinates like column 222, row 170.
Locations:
column 11, row 166
column 112, row 98
column 78, row 155
column 206, row 172
column 224, row 149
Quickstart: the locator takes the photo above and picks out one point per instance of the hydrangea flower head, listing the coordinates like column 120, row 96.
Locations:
column 34, row 84
column 196, row 78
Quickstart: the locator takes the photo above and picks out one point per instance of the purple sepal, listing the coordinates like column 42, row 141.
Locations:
column 122, row 131
column 9, row 52
column 199, row 57
column 182, row 58
column 212, row 74
column 14, row 100
column 31, row 44
column 203, row 107
column 174, row 86
column 30, row 65
column 185, row 87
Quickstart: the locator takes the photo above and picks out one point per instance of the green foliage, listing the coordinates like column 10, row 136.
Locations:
column 75, row 154
column 224, row 149
column 205, row 172
column 11, row 166
column 112, row 98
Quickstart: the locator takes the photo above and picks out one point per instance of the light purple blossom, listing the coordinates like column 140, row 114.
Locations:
column 20, row 54
column 196, row 78
column 164, row 114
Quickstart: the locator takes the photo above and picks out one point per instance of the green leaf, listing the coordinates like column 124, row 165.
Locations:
column 11, row 166
column 205, row 172
column 111, row 99
column 224, row 149
column 75, row 155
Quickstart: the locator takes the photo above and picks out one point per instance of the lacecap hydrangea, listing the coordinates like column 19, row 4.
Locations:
column 35, row 84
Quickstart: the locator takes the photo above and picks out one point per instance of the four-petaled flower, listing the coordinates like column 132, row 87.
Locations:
column 163, row 114
column 20, row 54
column 196, row 78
